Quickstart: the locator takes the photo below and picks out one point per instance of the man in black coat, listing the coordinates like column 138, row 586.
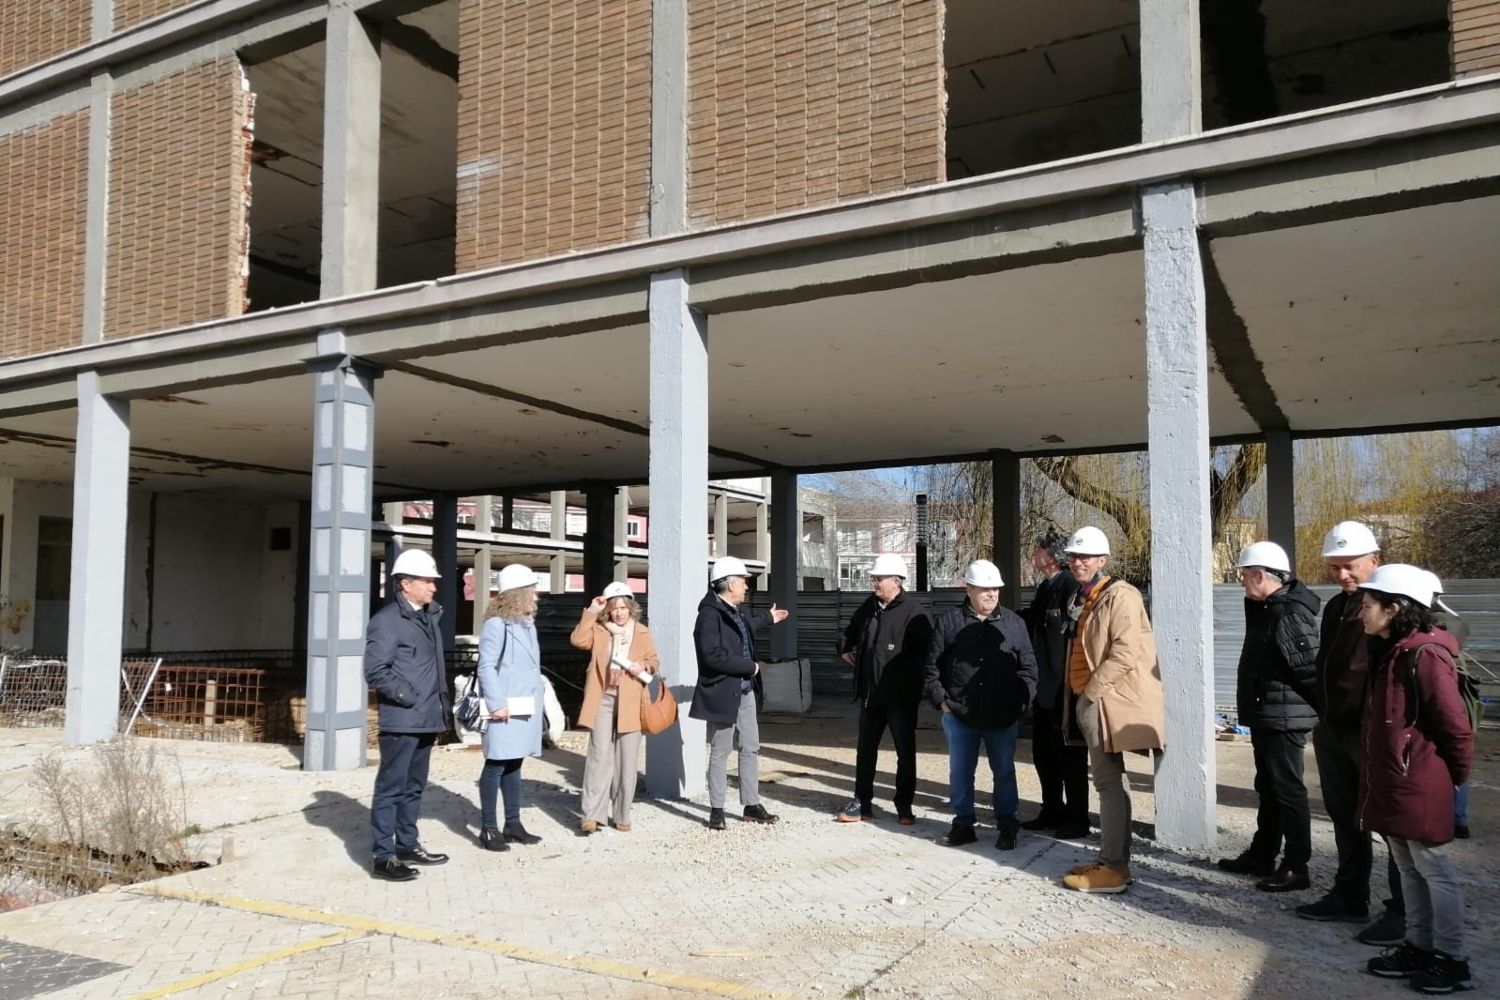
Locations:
column 886, row 644
column 404, row 664
column 724, row 641
column 1062, row 770
column 981, row 674
column 1276, row 690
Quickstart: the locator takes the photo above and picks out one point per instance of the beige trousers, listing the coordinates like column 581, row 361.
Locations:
column 609, row 770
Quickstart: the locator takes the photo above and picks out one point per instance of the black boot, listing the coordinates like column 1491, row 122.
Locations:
column 492, row 840
column 516, row 833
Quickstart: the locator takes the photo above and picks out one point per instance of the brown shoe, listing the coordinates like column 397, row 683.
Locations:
column 588, row 826
column 1284, row 880
column 622, row 827
column 1099, row 878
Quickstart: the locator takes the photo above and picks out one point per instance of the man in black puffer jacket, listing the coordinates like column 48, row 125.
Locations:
column 1277, row 694
column 981, row 674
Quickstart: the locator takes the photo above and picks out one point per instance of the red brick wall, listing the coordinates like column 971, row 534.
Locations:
column 133, row 12
column 554, row 127
column 34, row 30
column 1476, row 37
column 44, row 175
column 805, row 102
column 179, row 169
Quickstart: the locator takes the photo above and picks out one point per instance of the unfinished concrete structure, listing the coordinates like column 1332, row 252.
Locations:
column 563, row 246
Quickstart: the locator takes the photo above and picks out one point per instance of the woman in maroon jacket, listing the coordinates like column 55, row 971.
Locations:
column 1417, row 745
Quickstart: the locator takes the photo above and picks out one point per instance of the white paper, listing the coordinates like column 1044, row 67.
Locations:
column 521, row 706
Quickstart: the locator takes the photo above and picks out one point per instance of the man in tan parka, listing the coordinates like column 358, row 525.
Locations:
column 1112, row 699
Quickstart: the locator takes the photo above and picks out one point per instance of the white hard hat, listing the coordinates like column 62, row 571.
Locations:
column 1408, row 581
column 983, row 573
column 889, row 566
column 1349, row 538
column 415, row 562
column 618, row 589
column 1264, row 554
column 515, row 576
column 1088, row 541
column 726, row 566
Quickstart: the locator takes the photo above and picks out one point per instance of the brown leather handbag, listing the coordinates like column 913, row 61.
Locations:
column 660, row 713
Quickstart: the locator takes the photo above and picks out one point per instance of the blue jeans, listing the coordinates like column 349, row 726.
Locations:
column 963, row 759
column 1461, row 805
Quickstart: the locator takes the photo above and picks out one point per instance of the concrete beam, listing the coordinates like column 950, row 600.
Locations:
column 669, row 117
column 676, row 760
column 1181, row 546
column 1171, row 71
column 1281, row 495
column 1005, row 478
column 351, row 154
column 599, row 537
column 445, row 554
column 96, row 593
column 1229, row 339
column 786, row 558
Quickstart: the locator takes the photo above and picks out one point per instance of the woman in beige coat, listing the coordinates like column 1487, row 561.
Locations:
column 622, row 663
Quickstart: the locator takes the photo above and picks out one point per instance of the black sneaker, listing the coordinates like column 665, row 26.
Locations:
column 757, row 814
column 1390, row 929
column 1444, row 974
column 1333, row 908
column 960, row 835
column 1007, row 840
column 1461, row 831
column 1248, row 864
column 516, row 834
column 392, row 870
column 1399, row 961
column 855, row 812
column 716, row 819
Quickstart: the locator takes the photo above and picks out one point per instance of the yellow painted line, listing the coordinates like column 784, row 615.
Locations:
column 519, row 952
column 182, row 986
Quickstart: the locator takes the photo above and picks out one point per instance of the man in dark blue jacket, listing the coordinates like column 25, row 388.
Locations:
column 404, row 664
column 728, row 687
column 981, row 673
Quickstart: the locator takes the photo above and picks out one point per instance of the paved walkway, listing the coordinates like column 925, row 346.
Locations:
column 808, row 908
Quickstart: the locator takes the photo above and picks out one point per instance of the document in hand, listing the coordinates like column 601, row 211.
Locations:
column 521, row 706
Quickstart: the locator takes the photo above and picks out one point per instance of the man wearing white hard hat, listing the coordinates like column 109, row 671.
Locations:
column 886, row 644
column 1417, row 743
column 1276, row 690
column 729, row 687
column 404, row 664
column 1112, row 701
column 981, row 674
column 1352, row 555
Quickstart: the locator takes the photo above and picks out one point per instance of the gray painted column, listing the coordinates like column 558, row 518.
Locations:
column 96, row 592
column 102, row 22
column 763, row 535
column 484, row 520
column 1181, row 546
column 786, row 551
column 96, row 231
column 351, row 153
column 445, row 554
column 675, row 760
column 622, row 533
column 559, row 531
column 669, row 115
column 598, row 537
column 1171, row 74
column 339, row 571
column 1281, row 495
column 1005, row 514
column 721, row 525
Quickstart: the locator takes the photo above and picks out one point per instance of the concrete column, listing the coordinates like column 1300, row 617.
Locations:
column 339, row 570
column 786, row 551
column 559, row 531
column 96, row 230
column 1005, row 513
column 622, row 533
column 763, row 535
column 484, row 560
column 675, row 760
column 96, row 593
column 1171, row 73
column 1281, row 496
column 1181, row 546
column 351, row 153
column 669, row 114
column 445, row 554
column 721, row 525
column 599, row 537
column 507, row 513
column 393, row 514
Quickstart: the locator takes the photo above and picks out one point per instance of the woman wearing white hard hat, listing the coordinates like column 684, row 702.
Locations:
column 622, row 662
column 1417, row 745
column 510, row 682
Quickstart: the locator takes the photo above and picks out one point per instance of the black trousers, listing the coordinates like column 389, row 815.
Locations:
column 1279, row 785
column 398, row 791
column 874, row 719
column 1338, row 756
column 1062, row 770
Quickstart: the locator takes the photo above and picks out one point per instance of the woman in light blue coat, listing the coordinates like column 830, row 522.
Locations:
column 510, row 682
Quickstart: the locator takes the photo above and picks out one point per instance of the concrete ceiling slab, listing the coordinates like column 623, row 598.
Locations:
column 1375, row 321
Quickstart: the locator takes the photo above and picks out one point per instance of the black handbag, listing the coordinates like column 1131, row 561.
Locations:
column 469, row 710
